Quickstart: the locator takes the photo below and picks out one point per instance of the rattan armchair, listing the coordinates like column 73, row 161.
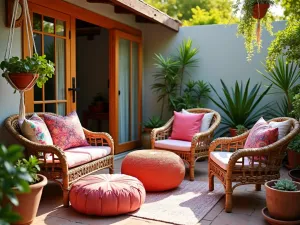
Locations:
column 199, row 145
column 57, row 170
column 248, row 166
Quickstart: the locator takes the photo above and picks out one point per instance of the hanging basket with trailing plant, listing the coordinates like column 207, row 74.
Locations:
column 253, row 15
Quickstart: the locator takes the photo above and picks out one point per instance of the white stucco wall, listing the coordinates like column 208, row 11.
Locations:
column 222, row 56
column 9, row 102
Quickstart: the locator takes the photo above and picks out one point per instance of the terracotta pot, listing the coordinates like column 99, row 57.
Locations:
column 295, row 175
column 98, row 108
column 283, row 205
column 29, row 202
column 146, row 138
column 260, row 10
column 233, row 132
column 23, row 80
column 293, row 159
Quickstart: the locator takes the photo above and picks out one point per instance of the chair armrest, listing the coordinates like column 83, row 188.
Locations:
column 99, row 139
column 229, row 143
column 161, row 133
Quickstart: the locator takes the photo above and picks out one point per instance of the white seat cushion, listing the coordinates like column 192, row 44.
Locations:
column 173, row 145
column 222, row 159
column 81, row 155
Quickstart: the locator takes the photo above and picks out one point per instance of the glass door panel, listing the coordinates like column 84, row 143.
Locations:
column 50, row 30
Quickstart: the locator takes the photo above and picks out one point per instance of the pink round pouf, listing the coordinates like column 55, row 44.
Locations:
column 107, row 195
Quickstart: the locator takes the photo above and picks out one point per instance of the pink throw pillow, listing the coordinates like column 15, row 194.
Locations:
column 36, row 130
column 66, row 131
column 185, row 126
column 261, row 134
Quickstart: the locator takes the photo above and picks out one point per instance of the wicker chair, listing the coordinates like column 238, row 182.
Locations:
column 242, row 168
column 199, row 145
column 57, row 169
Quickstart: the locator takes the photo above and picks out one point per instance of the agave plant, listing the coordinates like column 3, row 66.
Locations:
column 284, row 77
column 241, row 104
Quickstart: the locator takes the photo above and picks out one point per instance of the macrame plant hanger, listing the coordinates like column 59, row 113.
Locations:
column 29, row 32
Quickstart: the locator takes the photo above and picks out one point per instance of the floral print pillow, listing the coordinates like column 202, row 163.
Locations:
column 261, row 134
column 36, row 130
column 66, row 131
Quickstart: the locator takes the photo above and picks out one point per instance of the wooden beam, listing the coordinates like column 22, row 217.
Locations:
column 140, row 19
column 100, row 1
column 141, row 8
column 121, row 10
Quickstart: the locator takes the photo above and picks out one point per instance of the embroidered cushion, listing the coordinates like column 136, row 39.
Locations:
column 261, row 134
column 36, row 130
column 66, row 131
column 283, row 127
column 205, row 121
column 186, row 125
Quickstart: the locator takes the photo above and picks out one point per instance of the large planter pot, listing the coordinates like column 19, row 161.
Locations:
column 260, row 10
column 146, row 138
column 293, row 159
column 22, row 80
column 295, row 175
column 29, row 202
column 233, row 132
column 283, row 205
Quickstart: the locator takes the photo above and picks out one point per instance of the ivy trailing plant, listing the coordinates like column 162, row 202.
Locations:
column 35, row 64
column 248, row 26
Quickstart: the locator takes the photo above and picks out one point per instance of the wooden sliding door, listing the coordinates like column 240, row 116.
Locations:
column 125, row 90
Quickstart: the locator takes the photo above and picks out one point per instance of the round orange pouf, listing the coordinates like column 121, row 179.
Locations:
column 158, row 170
column 107, row 195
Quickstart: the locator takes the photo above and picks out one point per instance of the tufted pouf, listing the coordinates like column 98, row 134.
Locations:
column 158, row 170
column 107, row 195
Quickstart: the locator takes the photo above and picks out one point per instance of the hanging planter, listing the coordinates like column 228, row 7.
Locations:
column 253, row 15
column 23, row 74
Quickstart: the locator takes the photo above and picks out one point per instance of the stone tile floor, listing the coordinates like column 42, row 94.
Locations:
column 247, row 205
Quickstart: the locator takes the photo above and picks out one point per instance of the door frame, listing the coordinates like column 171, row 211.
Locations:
column 115, row 35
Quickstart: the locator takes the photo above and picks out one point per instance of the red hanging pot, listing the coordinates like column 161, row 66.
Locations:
column 22, row 81
column 260, row 10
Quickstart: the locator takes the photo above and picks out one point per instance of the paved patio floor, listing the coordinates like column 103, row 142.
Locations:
column 247, row 205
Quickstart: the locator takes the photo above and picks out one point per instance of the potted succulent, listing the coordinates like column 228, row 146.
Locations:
column 22, row 74
column 152, row 123
column 283, row 197
column 20, row 186
column 240, row 105
column 240, row 129
column 252, row 14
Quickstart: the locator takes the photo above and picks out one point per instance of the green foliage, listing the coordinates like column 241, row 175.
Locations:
column 35, row 64
column 98, row 98
column 11, row 177
column 285, row 185
column 154, row 122
column 171, row 71
column 32, row 167
column 296, row 106
column 248, row 25
column 196, row 12
column 194, row 94
column 284, row 77
column 241, row 129
column 240, row 104
column 294, row 145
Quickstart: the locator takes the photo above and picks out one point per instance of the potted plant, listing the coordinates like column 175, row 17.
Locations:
column 98, row 104
column 293, row 153
column 22, row 74
column 239, row 105
column 240, row 129
column 33, row 197
column 17, row 188
column 152, row 123
column 252, row 14
column 283, row 197
column 295, row 174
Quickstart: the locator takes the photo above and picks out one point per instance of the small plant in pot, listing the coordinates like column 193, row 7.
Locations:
column 152, row 123
column 98, row 104
column 294, row 153
column 283, row 197
column 240, row 129
column 24, row 73
column 20, row 186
